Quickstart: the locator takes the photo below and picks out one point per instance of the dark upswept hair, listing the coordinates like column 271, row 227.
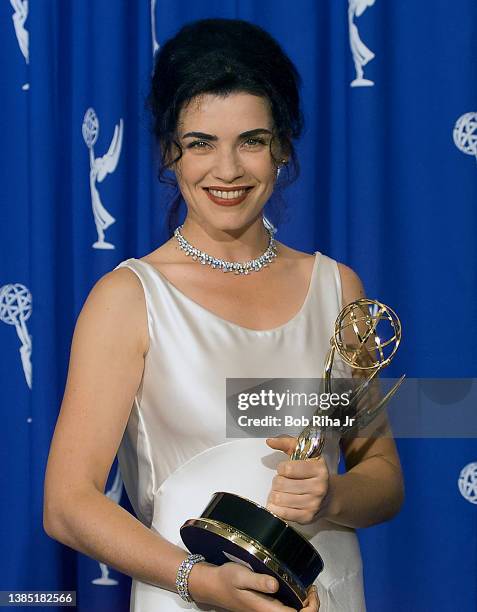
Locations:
column 220, row 57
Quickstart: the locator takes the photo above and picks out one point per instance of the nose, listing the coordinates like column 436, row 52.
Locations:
column 228, row 166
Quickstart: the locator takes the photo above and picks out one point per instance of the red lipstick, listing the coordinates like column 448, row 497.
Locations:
column 223, row 201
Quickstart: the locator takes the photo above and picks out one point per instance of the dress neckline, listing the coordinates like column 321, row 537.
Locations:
column 217, row 317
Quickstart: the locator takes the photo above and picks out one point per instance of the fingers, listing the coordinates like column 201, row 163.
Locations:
column 298, row 490
column 259, row 587
column 303, row 468
column 292, row 500
column 286, row 444
column 302, row 517
column 312, row 603
column 257, row 601
column 297, row 486
column 248, row 579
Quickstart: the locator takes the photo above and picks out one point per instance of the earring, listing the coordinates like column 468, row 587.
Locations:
column 279, row 167
column 268, row 224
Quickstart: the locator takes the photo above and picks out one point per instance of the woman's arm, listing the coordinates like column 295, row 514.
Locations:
column 370, row 492
column 105, row 371
column 372, row 489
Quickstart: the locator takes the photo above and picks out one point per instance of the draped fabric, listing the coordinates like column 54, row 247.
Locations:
column 388, row 186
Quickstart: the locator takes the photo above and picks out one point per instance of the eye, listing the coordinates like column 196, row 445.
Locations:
column 254, row 142
column 196, row 143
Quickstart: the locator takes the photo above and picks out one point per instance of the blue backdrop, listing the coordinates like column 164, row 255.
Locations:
column 388, row 186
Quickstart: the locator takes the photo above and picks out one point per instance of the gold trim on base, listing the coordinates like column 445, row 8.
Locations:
column 253, row 548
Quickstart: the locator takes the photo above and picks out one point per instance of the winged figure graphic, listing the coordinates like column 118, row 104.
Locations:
column 100, row 167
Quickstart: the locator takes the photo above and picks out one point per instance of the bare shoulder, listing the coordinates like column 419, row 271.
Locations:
column 351, row 285
column 105, row 369
column 119, row 282
column 117, row 299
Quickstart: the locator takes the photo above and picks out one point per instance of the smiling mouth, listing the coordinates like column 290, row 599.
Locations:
column 228, row 194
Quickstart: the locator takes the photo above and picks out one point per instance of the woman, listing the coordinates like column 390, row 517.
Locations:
column 158, row 336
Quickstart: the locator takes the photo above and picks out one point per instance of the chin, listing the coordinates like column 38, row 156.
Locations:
column 233, row 222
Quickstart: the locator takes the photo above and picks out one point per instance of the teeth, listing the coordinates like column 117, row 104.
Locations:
column 227, row 195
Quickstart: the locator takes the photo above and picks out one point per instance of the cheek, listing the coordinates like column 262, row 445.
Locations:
column 189, row 174
column 270, row 176
column 264, row 170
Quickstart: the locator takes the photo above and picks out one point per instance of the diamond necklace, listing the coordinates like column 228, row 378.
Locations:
column 254, row 265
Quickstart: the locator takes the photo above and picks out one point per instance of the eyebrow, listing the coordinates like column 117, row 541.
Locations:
column 249, row 133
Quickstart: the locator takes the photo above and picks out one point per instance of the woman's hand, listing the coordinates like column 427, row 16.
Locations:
column 236, row 588
column 312, row 602
column 300, row 488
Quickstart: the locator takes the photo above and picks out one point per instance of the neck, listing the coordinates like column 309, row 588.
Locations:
column 232, row 245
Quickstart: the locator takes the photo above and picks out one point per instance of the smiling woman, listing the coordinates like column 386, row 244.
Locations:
column 222, row 61
column 228, row 196
column 229, row 168
column 220, row 299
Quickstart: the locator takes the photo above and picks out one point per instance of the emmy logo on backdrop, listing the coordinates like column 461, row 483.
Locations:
column 465, row 134
column 19, row 17
column 468, row 483
column 113, row 493
column 155, row 44
column 15, row 309
column 361, row 54
column 100, row 167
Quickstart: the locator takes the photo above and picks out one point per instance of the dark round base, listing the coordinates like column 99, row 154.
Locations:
column 220, row 543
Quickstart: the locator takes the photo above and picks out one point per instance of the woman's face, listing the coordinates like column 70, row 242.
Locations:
column 226, row 173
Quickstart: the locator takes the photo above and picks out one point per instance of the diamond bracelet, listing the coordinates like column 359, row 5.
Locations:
column 182, row 580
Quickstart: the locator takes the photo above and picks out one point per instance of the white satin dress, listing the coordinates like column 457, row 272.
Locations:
column 174, row 454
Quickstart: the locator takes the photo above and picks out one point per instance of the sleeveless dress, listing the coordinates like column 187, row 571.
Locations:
column 174, row 454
